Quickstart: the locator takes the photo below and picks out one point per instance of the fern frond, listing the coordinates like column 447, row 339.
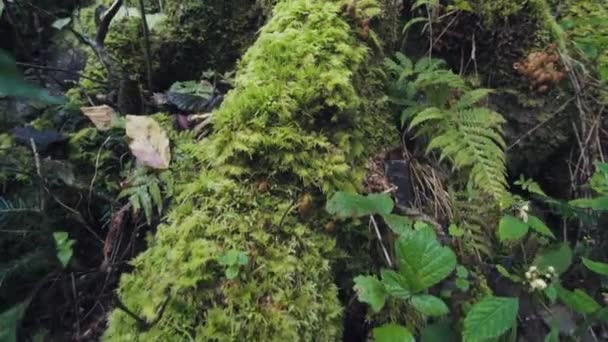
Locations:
column 472, row 97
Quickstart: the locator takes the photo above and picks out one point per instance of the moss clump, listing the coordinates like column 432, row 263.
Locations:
column 299, row 119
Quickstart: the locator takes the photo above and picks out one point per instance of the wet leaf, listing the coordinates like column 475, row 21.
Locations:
column 149, row 142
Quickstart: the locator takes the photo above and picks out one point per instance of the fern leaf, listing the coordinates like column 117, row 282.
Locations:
column 431, row 113
column 472, row 97
column 157, row 198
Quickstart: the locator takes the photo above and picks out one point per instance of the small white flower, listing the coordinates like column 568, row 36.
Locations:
column 538, row 284
column 551, row 269
column 533, row 269
column 528, row 275
column 523, row 212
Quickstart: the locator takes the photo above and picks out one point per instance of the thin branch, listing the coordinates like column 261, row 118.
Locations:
column 377, row 230
column 42, row 67
column 106, row 19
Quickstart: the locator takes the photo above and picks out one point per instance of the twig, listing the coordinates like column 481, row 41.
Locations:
column 39, row 173
column 106, row 19
column 377, row 230
column 41, row 67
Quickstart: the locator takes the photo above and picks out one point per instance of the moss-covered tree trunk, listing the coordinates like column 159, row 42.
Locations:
column 299, row 124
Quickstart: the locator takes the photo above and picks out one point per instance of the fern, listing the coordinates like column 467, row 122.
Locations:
column 439, row 105
column 146, row 192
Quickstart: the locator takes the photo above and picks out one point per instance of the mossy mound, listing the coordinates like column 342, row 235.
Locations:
column 301, row 121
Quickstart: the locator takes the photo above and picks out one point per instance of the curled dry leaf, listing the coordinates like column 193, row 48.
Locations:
column 101, row 116
column 148, row 142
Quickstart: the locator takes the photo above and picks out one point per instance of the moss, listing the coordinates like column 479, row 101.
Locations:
column 300, row 118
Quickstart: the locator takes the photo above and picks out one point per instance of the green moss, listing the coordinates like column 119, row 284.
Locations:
column 300, row 118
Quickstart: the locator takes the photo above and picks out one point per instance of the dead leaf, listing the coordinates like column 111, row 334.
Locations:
column 149, row 142
column 101, row 116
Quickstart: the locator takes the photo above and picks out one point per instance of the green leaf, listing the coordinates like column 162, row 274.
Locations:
column 551, row 293
column 462, row 284
column 9, row 322
column 157, row 198
column 438, row 332
column 462, row 271
column 432, row 113
column 604, row 73
column 558, row 256
column 232, row 272
column 392, row 333
column 578, row 301
column 539, row 226
column 429, row 305
column 12, row 83
column 371, row 291
column 511, row 228
column 455, row 231
column 598, row 203
column 64, row 247
column 394, row 284
column 553, row 335
column 399, row 224
column 234, row 257
column 596, row 266
column 423, row 262
column 470, row 98
column 346, row 205
column 490, row 318
column 59, row 24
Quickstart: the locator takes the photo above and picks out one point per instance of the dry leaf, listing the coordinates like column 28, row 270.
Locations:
column 149, row 142
column 101, row 116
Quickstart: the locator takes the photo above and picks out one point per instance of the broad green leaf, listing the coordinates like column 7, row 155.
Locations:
column 553, row 335
column 490, row 318
column 346, row 205
column 596, row 266
column 392, row 333
column 9, row 322
column 64, row 247
column 59, row 24
column 578, row 301
column 551, row 293
column 371, row 291
column 12, row 83
column 394, row 284
column 539, row 226
column 438, row 332
column 399, row 224
column 558, row 256
column 602, row 314
column 429, row 305
column 423, row 262
column 511, row 228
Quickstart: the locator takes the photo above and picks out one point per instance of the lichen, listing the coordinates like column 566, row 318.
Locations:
column 301, row 120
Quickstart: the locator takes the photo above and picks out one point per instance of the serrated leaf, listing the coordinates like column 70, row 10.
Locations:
column 596, row 266
column 578, row 301
column 392, row 333
column 371, row 291
column 394, row 284
column 343, row 204
column 59, row 24
column 429, row 305
column 423, row 262
column 558, row 256
column 490, row 318
column 511, row 228
column 399, row 224
column 539, row 226
column 9, row 322
column 148, row 141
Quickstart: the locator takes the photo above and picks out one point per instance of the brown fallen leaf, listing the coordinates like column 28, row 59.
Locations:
column 101, row 116
column 148, row 142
